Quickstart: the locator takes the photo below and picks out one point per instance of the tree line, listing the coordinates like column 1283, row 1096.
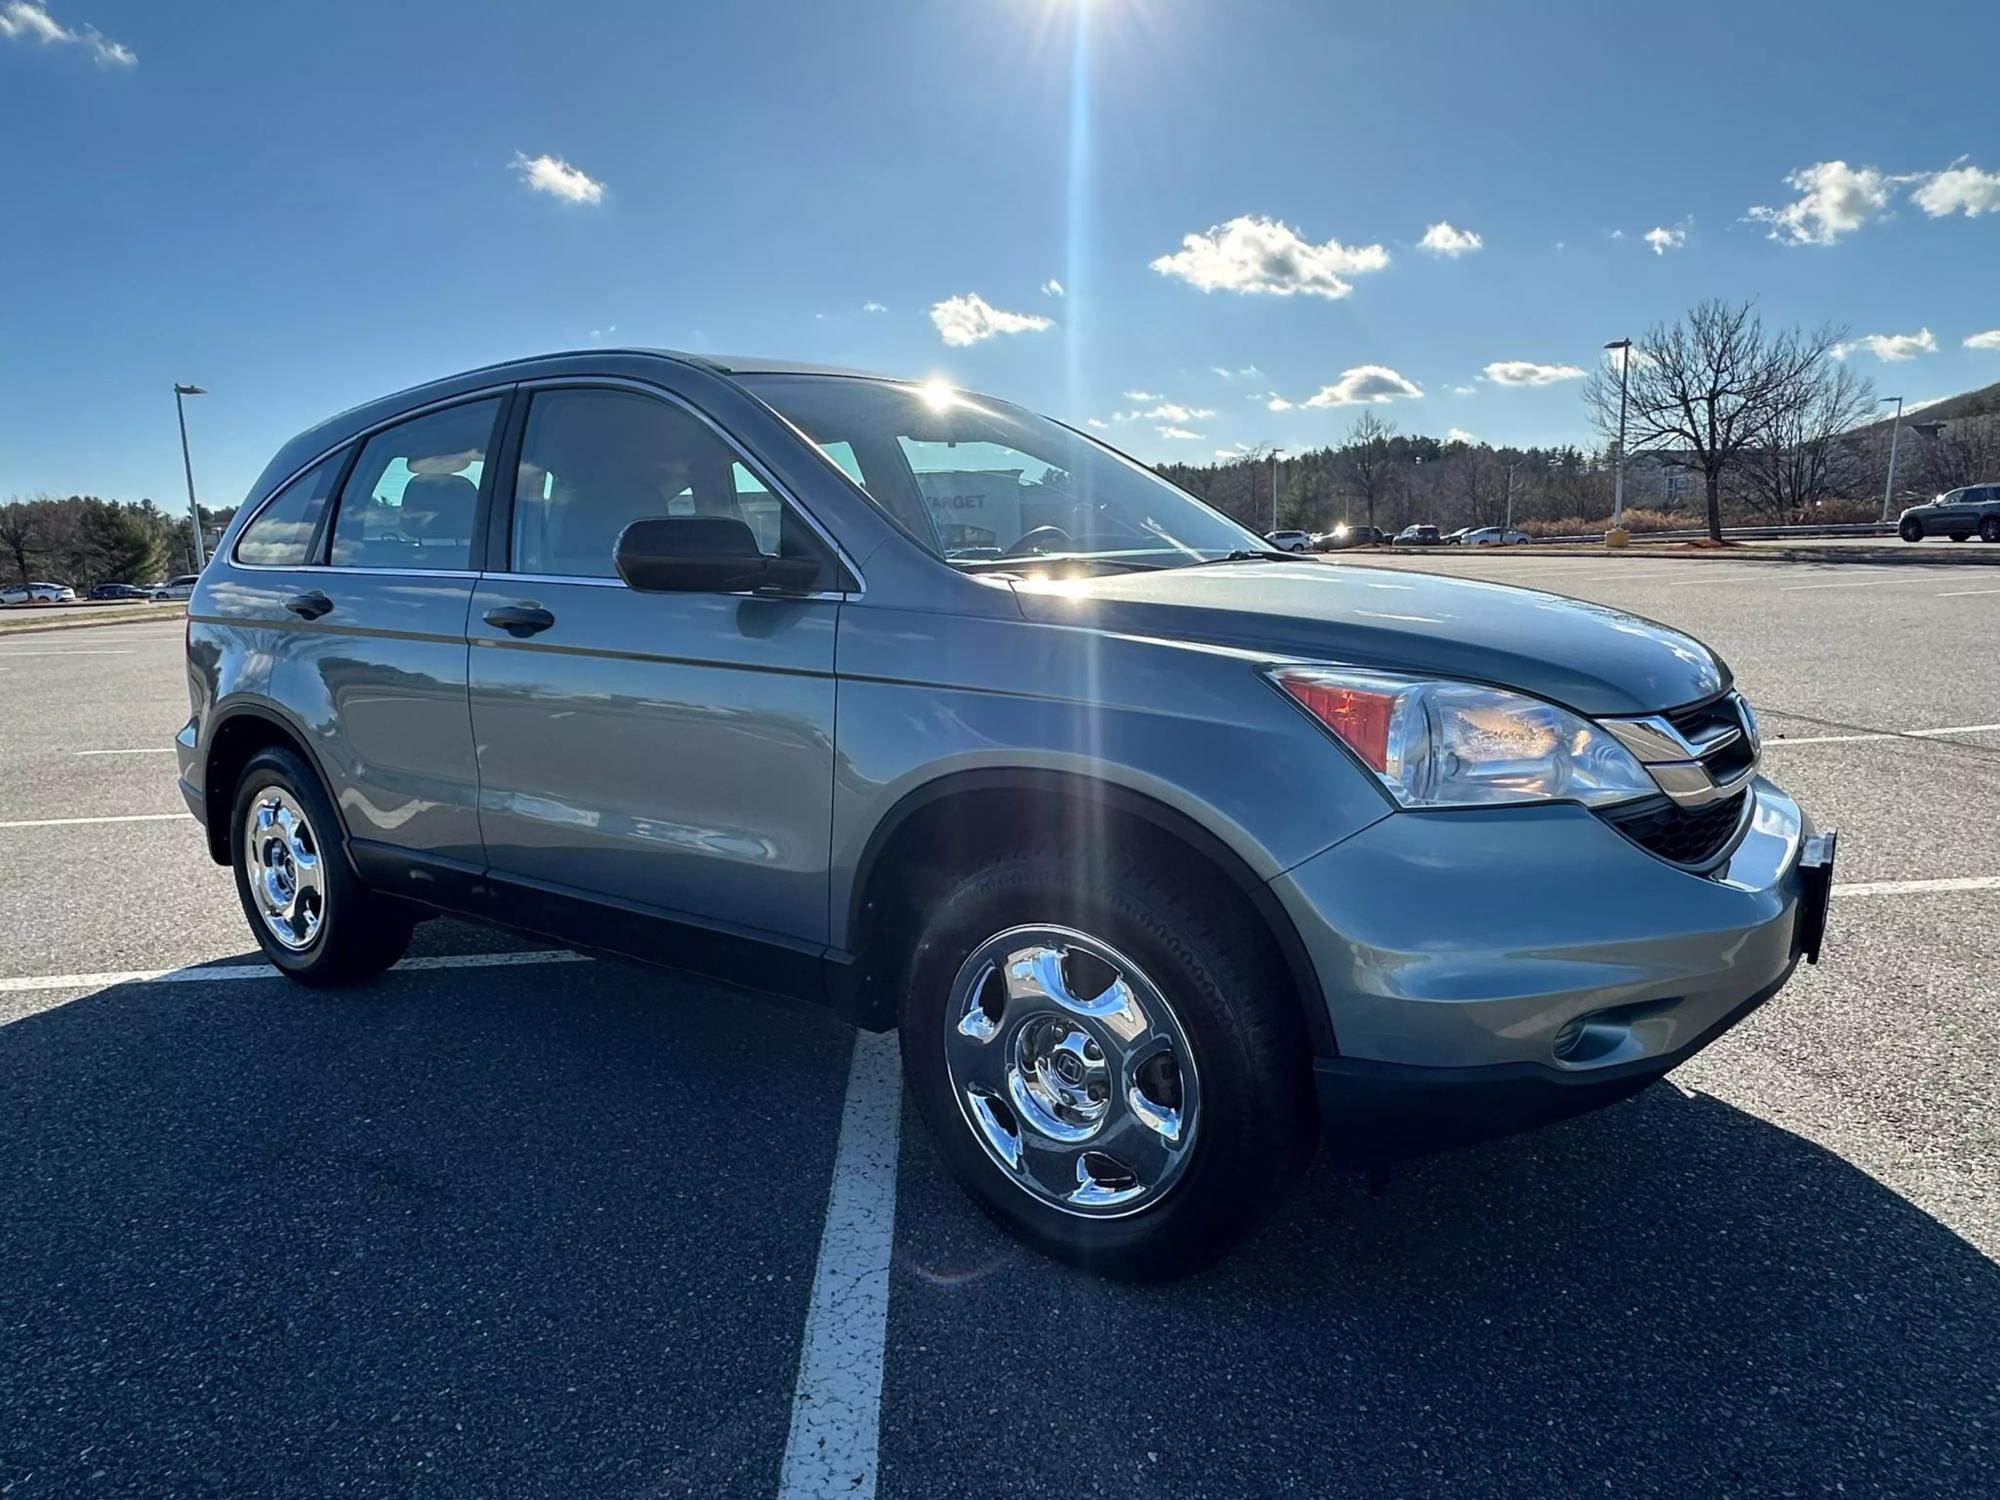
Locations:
column 1726, row 422
column 84, row 540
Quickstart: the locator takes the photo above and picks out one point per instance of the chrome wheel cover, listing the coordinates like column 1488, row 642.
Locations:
column 281, row 862
column 1072, row 1071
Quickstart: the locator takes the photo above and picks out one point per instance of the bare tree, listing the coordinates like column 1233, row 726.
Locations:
column 1367, row 460
column 1707, row 389
column 1801, row 460
column 20, row 537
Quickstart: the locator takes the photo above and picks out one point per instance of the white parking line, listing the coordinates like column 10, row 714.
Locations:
column 120, row 651
column 1862, row 739
column 1965, row 593
column 144, row 750
column 1918, row 887
column 1795, row 588
column 837, row 1405
column 123, row 818
column 200, row 974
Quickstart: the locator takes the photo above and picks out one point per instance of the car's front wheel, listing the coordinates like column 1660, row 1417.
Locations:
column 1107, row 1060
column 308, row 910
column 1911, row 531
column 1989, row 529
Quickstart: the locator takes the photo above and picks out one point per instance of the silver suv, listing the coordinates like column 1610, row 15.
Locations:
column 1165, row 852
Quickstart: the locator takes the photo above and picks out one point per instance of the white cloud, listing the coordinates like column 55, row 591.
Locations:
column 1459, row 435
column 27, row 20
column 1892, row 348
column 873, row 307
column 1959, row 189
column 1143, row 396
column 1052, row 288
column 1442, row 239
column 1277, row 403
column 1618, row 234
column 1364, row 385
column 1834, row 199
column 971, row 318
column 1254, row 254
column 1987, row 340
column 1097, row 422
column 1178, row 434
column 1465, row 390
column 1527, row 372
column 1234, row 450
column 556, row 177
column 1663, row 240
column 1173, row 411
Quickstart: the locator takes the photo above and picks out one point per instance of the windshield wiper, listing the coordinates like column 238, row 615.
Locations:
column 1051, row 560
column 1244, row 555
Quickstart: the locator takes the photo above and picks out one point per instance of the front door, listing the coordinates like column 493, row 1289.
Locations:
column 666, row 754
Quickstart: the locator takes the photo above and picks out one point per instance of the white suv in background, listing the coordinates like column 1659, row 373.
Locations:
column 1289, row 541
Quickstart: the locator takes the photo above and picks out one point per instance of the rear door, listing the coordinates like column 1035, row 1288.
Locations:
column 370, row 651
column 668, row 754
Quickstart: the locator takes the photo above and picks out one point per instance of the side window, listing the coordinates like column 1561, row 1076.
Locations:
column 594, row 461
column 282, row 534
column 413, row 495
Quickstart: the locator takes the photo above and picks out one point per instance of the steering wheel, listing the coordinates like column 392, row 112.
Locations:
column 1040, row 539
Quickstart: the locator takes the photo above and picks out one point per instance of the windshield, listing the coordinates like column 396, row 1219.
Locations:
column 986, row 485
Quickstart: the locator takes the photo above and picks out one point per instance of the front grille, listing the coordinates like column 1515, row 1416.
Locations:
column 1694, row 837
column 1703, row 719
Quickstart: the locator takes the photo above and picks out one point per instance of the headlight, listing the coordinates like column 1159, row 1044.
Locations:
column 1456, row 744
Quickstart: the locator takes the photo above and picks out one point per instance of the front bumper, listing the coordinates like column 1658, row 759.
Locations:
column 1485, row 970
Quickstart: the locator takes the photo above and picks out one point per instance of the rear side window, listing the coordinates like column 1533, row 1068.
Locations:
column 413, row 496
column 281, row 536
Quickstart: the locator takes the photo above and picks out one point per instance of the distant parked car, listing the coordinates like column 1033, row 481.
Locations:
column 119, row 591
column 1957, row 514
column 1454, row 538
column 1288, row 541
column 177, row 588
column 1419, row 536
column 1492, row 536
column 38, row 593
column 1347, row 535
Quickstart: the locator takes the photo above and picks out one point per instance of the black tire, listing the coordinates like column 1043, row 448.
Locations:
column 1989, row 529
column 1228, row 994
column 359, row 933
column 1911, row 531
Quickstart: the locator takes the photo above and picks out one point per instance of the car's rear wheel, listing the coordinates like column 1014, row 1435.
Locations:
column 307, row 909
column 1107, row 1060
column 1911, row 531
column 1989, row 529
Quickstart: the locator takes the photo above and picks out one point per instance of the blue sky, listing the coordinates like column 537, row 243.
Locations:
column 302, row 207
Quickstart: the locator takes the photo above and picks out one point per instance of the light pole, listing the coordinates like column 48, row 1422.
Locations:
column 1274, row 487
column 187, row 466
column 1895, row 432
column 1618, row 483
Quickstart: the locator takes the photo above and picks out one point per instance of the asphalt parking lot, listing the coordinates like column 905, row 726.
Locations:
column 509, row 1223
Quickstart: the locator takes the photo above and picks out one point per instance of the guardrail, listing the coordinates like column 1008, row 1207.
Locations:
column 1735, row 533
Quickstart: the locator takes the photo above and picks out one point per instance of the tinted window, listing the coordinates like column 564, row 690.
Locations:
column 592, row 462
column 414, row 493
column 281, row 536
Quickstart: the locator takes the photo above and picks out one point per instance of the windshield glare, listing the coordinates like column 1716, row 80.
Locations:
column 983, row 484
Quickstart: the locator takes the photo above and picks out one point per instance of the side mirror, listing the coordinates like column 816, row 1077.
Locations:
column 705, row 555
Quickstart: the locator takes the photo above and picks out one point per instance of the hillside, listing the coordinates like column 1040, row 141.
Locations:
column 1984, row 402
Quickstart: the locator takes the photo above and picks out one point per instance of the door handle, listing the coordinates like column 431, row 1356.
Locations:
column 520, row 620
column 310, row 605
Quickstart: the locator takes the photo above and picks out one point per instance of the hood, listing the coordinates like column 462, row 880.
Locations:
column 1586, row 657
